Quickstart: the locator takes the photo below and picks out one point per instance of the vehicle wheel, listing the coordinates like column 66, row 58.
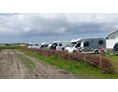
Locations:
column 63, row 49
column 96, row 52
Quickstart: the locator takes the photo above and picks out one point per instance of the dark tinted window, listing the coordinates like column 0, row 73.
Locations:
column 36, row 44
column 72, row 44
column 101, row 42
column 60, row 44
column 46, row 45
column 54, row 45
column 78, row 45
column 86, row 43
column 42, row 46
column 31, row 44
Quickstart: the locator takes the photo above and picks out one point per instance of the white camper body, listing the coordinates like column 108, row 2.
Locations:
column 58, row 45
column 87, row 45
column 111, row 42
column 34, row 45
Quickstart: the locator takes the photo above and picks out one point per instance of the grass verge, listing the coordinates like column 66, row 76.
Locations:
column 10, row 47
column 84, row 70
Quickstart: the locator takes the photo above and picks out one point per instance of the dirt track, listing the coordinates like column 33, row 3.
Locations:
column 12, row 66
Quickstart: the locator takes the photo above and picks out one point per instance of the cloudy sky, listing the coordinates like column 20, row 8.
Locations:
column 48, row 27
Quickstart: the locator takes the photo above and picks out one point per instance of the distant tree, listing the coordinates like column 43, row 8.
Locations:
column 7, row 45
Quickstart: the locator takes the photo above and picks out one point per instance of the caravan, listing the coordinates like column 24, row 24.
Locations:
column 58, row 45
column 87, row 45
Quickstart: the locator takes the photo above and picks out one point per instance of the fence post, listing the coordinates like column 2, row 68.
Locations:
column 57, row 52
column 46, row 52
column 85, row 58
column 69, row 56
column 51, row 52
column 100, row 61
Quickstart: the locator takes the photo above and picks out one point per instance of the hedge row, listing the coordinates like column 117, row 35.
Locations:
column 98, row 61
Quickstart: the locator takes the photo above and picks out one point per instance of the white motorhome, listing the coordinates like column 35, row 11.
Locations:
column 34, row 45
column 44, row 45
column 58, row 45
column 87, row 45
column 49, row 45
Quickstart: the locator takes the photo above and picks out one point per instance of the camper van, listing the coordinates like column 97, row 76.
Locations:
column 34, row 45
column 44, row 45
column 87, row 45
column 58, row 45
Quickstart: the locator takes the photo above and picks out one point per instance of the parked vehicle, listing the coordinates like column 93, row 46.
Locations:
column 49, row 45
column 87, row 45
column 34, row 45
column 65, row 47
column 58, row 45
column 45, row 45
column 115, row 48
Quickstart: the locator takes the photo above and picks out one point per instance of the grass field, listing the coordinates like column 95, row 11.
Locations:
column 10, row 47
column 84, row 70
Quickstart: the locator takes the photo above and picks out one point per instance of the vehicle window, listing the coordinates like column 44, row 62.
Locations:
column 60, row 44
column 31, row 44
column 101, row 42
column 46, row 45
column 49, row 45
column 54, row 45
column 67, row 45
column 78, row 45
column 42, row 46
column 86, row 44
column 72, row 44
column 36, row 44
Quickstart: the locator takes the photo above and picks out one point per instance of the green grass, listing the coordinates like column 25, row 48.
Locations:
column 10, row 47
column 84, row 70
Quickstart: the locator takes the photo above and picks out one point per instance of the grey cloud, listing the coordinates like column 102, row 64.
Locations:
column 83, row 28
column 30, row 25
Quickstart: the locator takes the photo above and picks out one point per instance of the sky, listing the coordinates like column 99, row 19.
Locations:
column 48, row 27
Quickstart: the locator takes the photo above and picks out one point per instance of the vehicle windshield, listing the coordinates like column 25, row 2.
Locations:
column 49, row 45
column 42, row 46
column 54, row 45
column 72, row 44
column 30, row 44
